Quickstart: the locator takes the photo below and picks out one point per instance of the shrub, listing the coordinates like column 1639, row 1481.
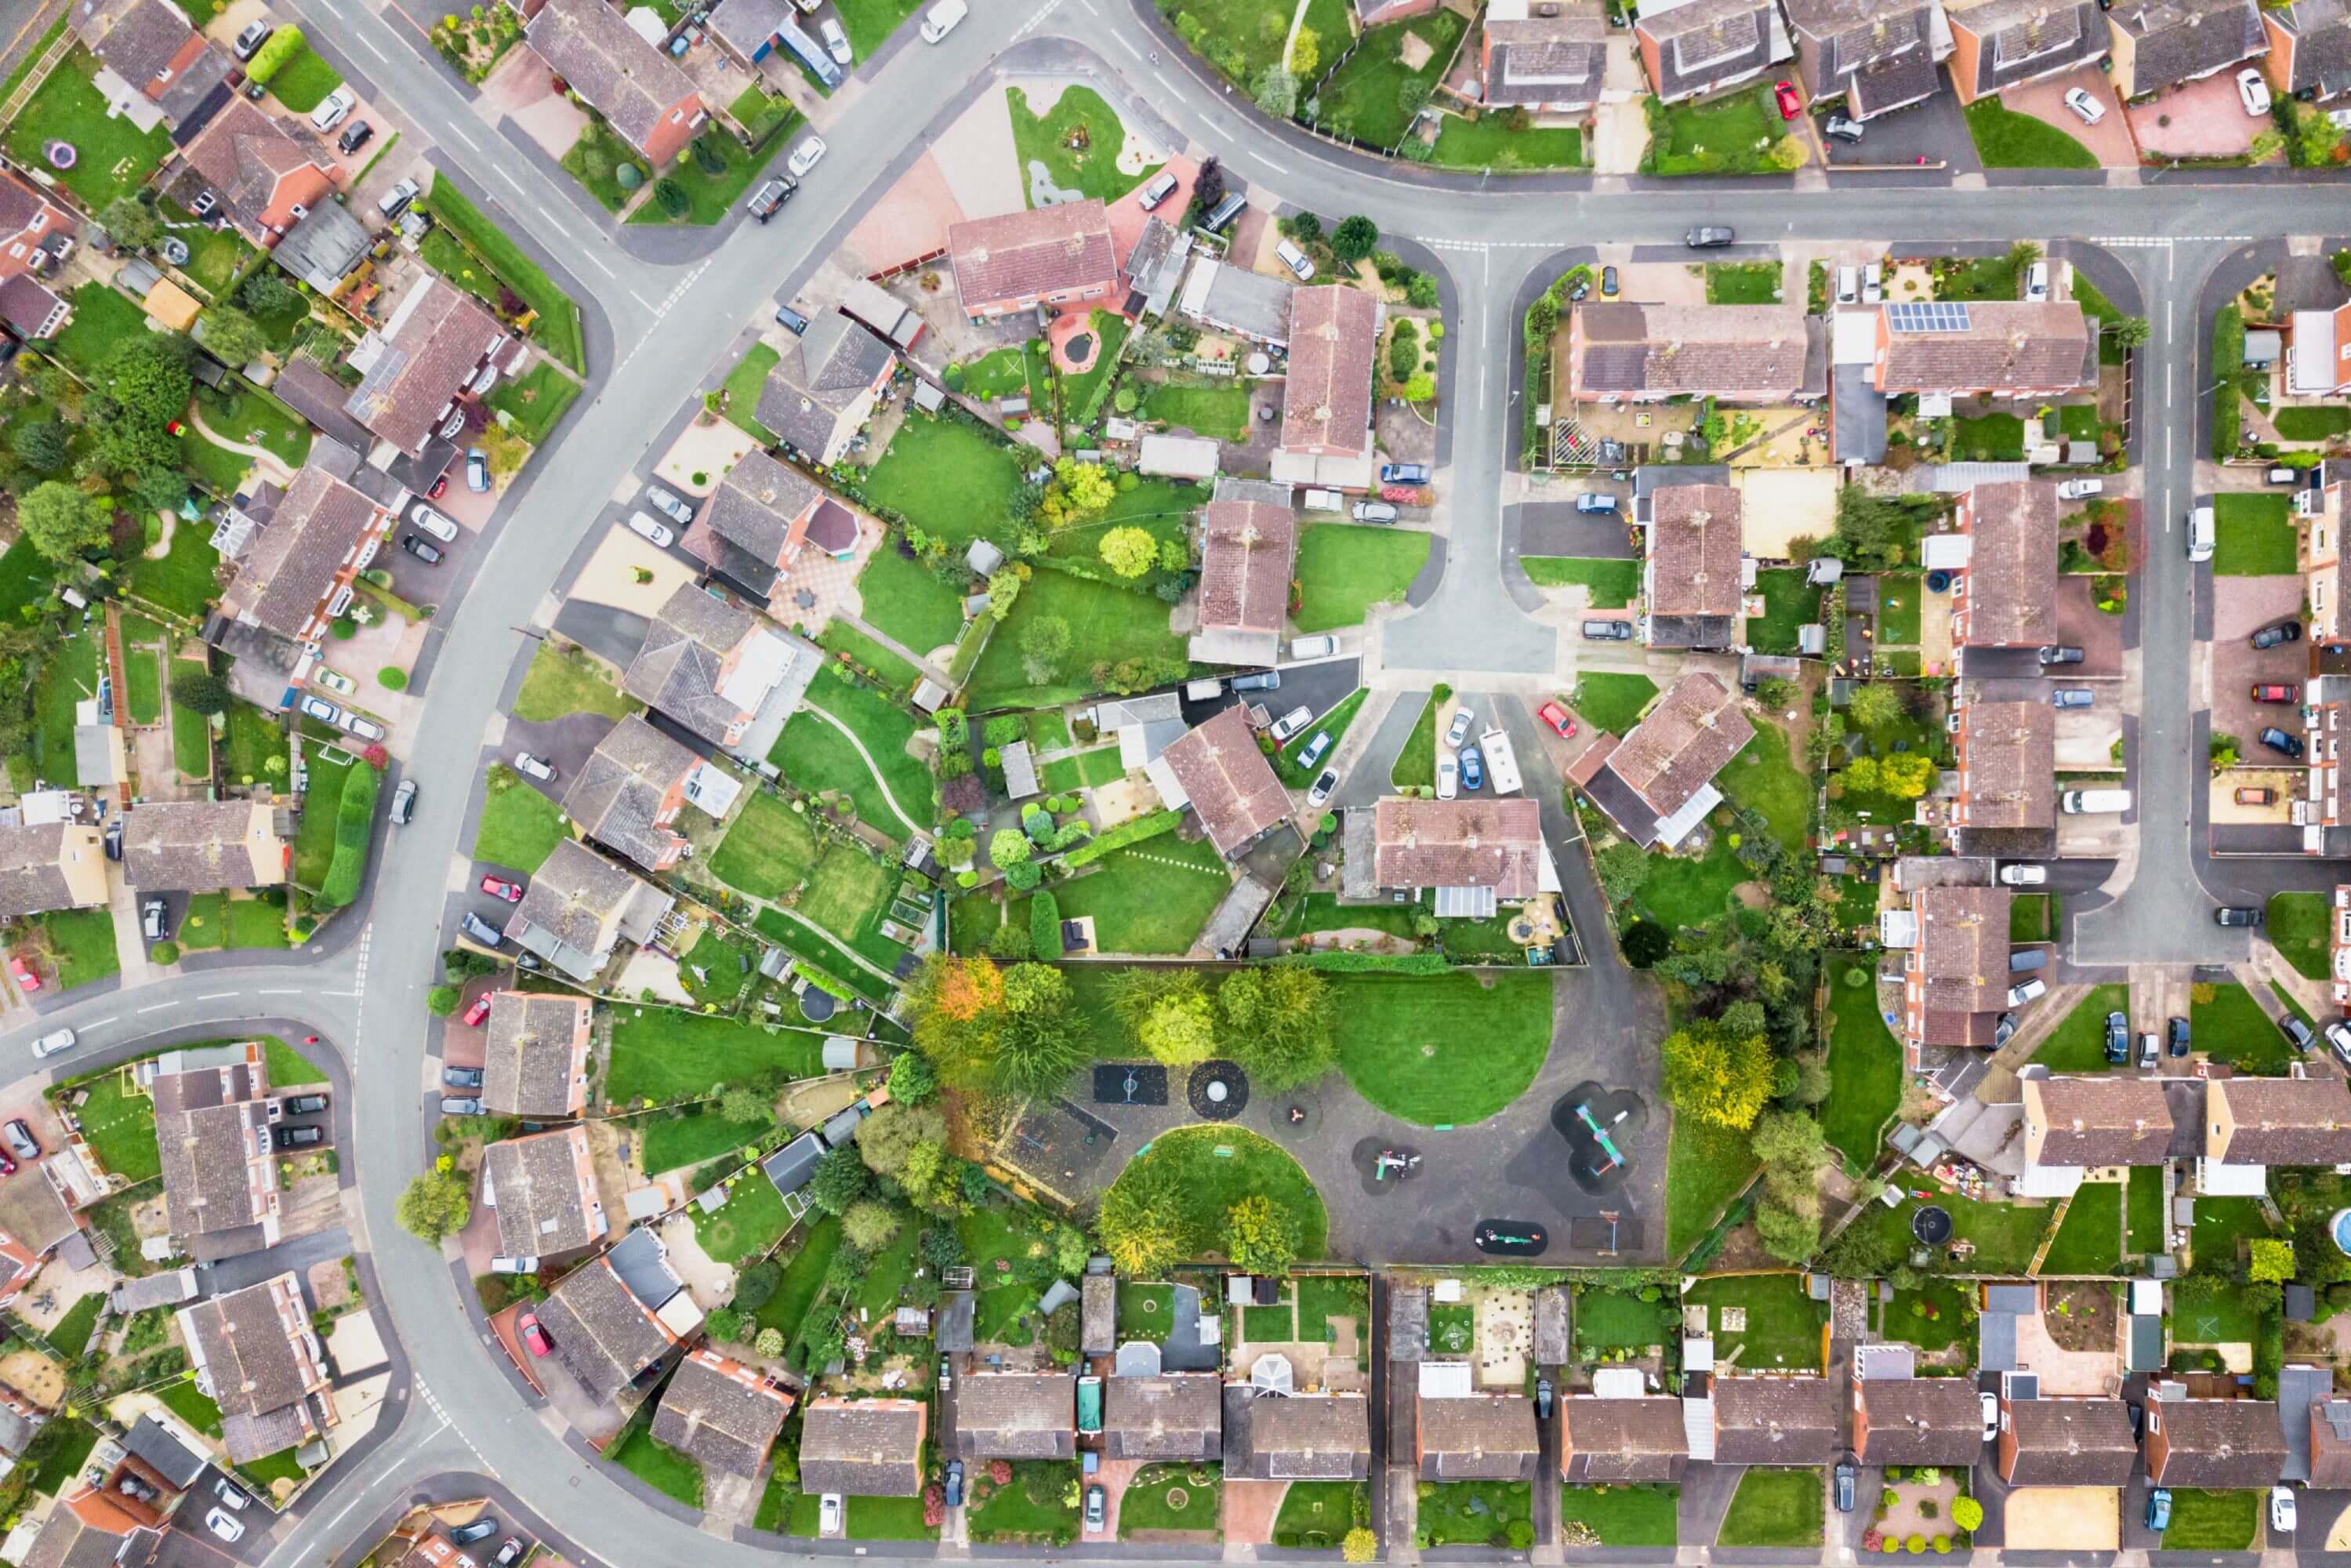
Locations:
column 441, row 1001
column 276, row 55
column 1045, row 926
column 1915, row 1545
column 164, row 953
column 671, row 197
column 354, row 826
column 391, row 679
column 1522, row 1534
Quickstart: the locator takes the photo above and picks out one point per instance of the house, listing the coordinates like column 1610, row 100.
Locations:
column 864, row 1447
column 630, row 790
column 1999, row 43
column 1170, row 1415
column 32, row 229
column 750, row 30
column 2318, row 353
column 1877, row 55
column 266, row 171
column 1605, row 1441
column 211, row 1135
column 2217, row 1444
column 2158, row 44
column 55, row 865
column 298, row 573
column 618, row 1316
column 763, row 516
column 323, row 247
column 1248, row 549
column 2006, row 755
column 1477, row 1437
column 1691, row 585
column 824, row 387
column 1774, row 1420
column 31, row 310
column 1225, row 297
column 581, row 906
column 1296, row 1437
column 2077, row 1125
column 98, row 1527
column 155, row 70
column 255, row 1352
column 2005, row 596
column 1694, row 48
column 2065, row 1443
column 431, row 349
column 1657, row 783
column 1900, row 1418
column 1218, row 771
column 1017, row 1415
column 204, row 846
column 1476, row 852
column 1617, row 351
column 1955, row 975
column 2330, row 1445
column 316, row 396
column 2253, row 1123
column 724, row 1414
column 648, row 100
column 2310, row 48
column 1546, row 57
column 709, row 665
column 534, row 1058
column 543, row 1188
column 1326, row 408
column 1999, row 349
column 1061, row 256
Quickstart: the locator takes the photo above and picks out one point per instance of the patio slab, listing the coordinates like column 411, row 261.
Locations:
column 2200, row 120
column 2109, row 140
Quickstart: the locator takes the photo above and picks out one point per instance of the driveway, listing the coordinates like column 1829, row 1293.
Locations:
column 1936, row 130
column 2083, row 624
column 2064, row 1519
column 2201, row 120
column 2241, row 606
column 2109, row 140
column 1556, row 527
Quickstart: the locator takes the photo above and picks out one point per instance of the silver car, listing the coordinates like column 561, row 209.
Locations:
column 680, row 512
column 365, row 729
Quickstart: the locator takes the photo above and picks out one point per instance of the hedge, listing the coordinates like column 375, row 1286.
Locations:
column 276, row 55
column 2227, row 359
column 1118, row 838
column 354, row 827
column 1393, row 963
column 1045, row 925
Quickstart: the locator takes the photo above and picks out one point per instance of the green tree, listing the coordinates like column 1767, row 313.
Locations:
column 1360, row 1546
column 1042, row 1039
column 1419, row 387
column 1874, row 707
column 1623, row 870
column 61, row 521
column 230, row 336
column 725, row 1325
column 1305, row 53
column 1305, row 228
column 40, row 444
column 1355, row 236
column 913, row 1081
column 2271, row 1260
column 265, row 293
column 1141, row 1221
column 131, row 223
column 1863, row 776
column 746, row 1104
column 1277, row 1018
column 148, row 376
column 2130, row 332
column 1276, row 92
column 441, row 1001
column 435, row 1204
column 202, row 691
column 1003, row 594
column 1009, row 847
column 1085, row 488
column 869, row 1226
column 1787, row 1234
column 886, row 1137
column 1717, row 1076
column 1907, row 773
column 1967, row 1512
column 1261, row 1237
column 1129, row 551
column 840, row 1179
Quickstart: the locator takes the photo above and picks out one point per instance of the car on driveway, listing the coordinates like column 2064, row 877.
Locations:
column 643, row 523
column 478, row 1012
column 1556, row 716
column 1473, row 768
column 2284, row 745
column 320, row 709
column 2078, row 490
column 1448, row 777
column 477, row 471
column 1607, row 283
column 333, row 108
column 2276, row 692
column 955, row 1483
column 1838, row 128
column 537, row 767
column 2073, row 696
column 1096, row 1508
column 1459, row 730
column 836, row 42
column 460, row 1077
column 2061, row 653
column 1376, row 512
column 1783, row 93
column 1323, row 787
column 1291, row 723
column 19, row 1138
column 2032, row 990
column 1595, row 501
column 2023, row 875
column 676, row 508
column 2176, row 1032
column 2117, row 1040
column 2237, row 917
column 298, row 1137
column 2255, row 94
column 461, row 1105
column 2281, row 1497
column 2256, row 795
column 334, row 680
column 2279, row 635
column 480, row 1530
column 479, row 930
column 2297, row 1033
column 365, row 729
column 1321, row 647
column 224, row 1525
column 1990, row 1405
column 1404, row 474
column 1315, row 748
column 2158, row 1502
column 1608, row 630
column 2088, row 110
column 1847, row 1471
column 1709, row 236
column 433, row 523
column 256, row 33
column 804, row 156
column 415, row 545
column 356, row 135
column 498, row 887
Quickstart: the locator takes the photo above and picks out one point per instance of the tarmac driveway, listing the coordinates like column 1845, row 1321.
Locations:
column 1936, row 130
column 2241, row 606
column 1556, row 527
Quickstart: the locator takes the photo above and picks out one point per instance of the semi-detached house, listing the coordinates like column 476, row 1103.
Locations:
column 1877, row 55
column 1061, row 256
column 649, row 101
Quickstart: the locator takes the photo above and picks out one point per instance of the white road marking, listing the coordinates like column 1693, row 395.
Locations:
column 1130, row 48
column 279, row 993
column 97, row 1023
column 369, row 44
column 216, row 996
column 590, row 256
column 643, row 300
column 1269, row 164
column 464, row 138
column 158, row 1008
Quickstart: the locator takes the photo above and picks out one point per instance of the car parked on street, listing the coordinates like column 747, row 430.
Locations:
column 403, row 802
column 2237, row 917
column 57, row 1040
column 769, row 198
column 804, row 156
column 1709, row 236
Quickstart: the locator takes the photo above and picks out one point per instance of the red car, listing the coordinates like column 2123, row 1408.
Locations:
column 439, row 486
column 2276, row 694
column 7, row 1165
column 1556, row 716
column 478, row 1012
column 23, row 974
column 532, row 1335
column 510, row 891
column 1790, row 105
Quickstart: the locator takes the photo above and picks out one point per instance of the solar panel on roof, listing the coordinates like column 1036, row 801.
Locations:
column 1934, row 315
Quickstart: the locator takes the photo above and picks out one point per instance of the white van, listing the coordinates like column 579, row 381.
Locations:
column 2202, row 534
column 942, row 19
column 1295, row 259
column 1325, row 501
column 2095, row 802
column 1848, row 285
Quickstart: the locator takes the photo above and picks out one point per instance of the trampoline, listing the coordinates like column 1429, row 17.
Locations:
column 1931, row 1225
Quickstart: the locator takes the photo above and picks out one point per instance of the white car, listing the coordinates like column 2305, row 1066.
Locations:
column 1448, row 777
column 433, row 523
column 805, row 155
column 2255, row 94
column 2079, row 489
column 1873, row 283
column 669, row 504
column 644, row 523
column 1459, row 730
column 2036, row 283
column 1990, row 1407
column 1321, row 647
column 334, row 680
column 2089, row 110
column 2023, row 875
column 55, row 1040
column 224, row 1525
column 320, row 709
column 365, row 729
column 525, row 763
column 828, row 1514
column 2282, row 1510
column 330, row 112
column 836, row 42
column 1291, row 723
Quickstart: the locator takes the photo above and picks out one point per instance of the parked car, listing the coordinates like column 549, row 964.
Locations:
column 2297, row 1033
column 955, row 1483
column 1263, row 681
column 1847, row 1472
column 2061, row 653
column 941, row 19
column 320, row 709
column 2036, row 292
column 2256, row 795
column 1323, row 787
column 298, row 1137
column 1848, row 285
column 1595, row 501
column 256, row 33
column 2176, row 1033
column 461, row 1105
column 2117, row 1040
column 433, row 523
column 1448, row 777
column 477, row 471
column 1295, row 259
column 659, row 533
column 537, row 767
column 2276, row 692
column 1459, row 730
column 1838, row 128
column 791, row 319
column 2279, row 635
column 1321, row 647
column 230, row 1495
column 479, row 929
column 394, row 203
column 1873, row 284
column 477, row 1012
column 1544, row 1395
column 2237, row 917
column 334, row 680
column 461, row 1077
column 499, row 887
column 2088, row 110
column 676, row 508
column 364, row 727
column 403, row 802
column 480, row 1530
column 2025, row 875
column 19, row 1138
column 415, row 545
column 1161, row 187
column 2281, row 1497
column 836, row 42
column 1608, row 630
column 2073, row 696
column 1376, row 512
column 356, row 135
column 1315, row 748
column 1607, row 283
column 333, row 108
column 1709, row 236
column 1473, row 768
column 1783, row 93
column 152, row 919
column 2148, row 1053
column 2284, row 476
column 1990, row 1405
column 57, row 1040
column 1556, row 716
column 769, row 198
column 526, row 1264
column 2338, row 1035
column 2079, row 489
column 1096, row 1511
column 2158, row 1502
column 1404, row 474
column 1291, row 723
column 224, row 1525
column 2284, row 745
column 2255, row 94
column 2030, row 991
column 509, row 1552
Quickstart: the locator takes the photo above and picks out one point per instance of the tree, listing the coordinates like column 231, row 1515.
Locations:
column 230, row 336
column 441, row 1001
column 265, row 293
column 1354, row 238
column 61, row 521
column 869, row 1225
column 2271, row 1260
column 131, row 223
column 1169, row 1011
column 1907, row 773
column 1305, row 228
column 1967, row 1512
column 1644, row 941
column 1129, row 551
column 1874, row 707
column 1277, row 1018
column 1863, row 776
column 1009, row 847
column 1419, row 387
column 1042, row 1042
column 1044, row 643
column 1276, row 92
column 2023, row 255
column 912, row 1081
column 1078, row 490
column 276, row 55
column 40, row 444
column 755, row 1284
column 2130, row 332
column 744, row 1105
column 1141, row 1221
column 1787, row 154
column 148, row 376
column 436, row 1205
column 840, row 1179
column 1305, row 52
column 1715, row 1075
column 1003, row 594
column 1786, row 1234
column 886, row 1137
column 202, row 691
column 1261, row 1237
column 1360, row 1546
column 1623, row 868
column 1208, row 186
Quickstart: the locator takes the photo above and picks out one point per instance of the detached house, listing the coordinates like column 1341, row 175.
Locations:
column 631, row 790
column 1017, row 1415
column 2169, row 43
column 1605, row 1441
column 1476, row 853
column 864, row 1447
column 535, row 1062
column 1218, row 771
column 1248, row 547
column 1997, row 348
column 1061, row 256
column 204, row 846
column 2253, row 1123
column 543, row 1191
column 2005, row 594
column 1999, row 43
column 155, row 70
column 2310, row 48
column 255, row 1355
column 823, row 389
column 1955, row 975
column 723, row 1413
column 711, row 667
column 267, row 172
column 297, row 574
column 55, row 865
column 1657, row 783
column 1691, row 586
column 1326, row 410
column 647, row 98
column 416, row 369
column 2065, row 1442
column 1546, row 57
column 2007, row 755
column 617, row 1317
column 580, row 907
column 761, row 519
column 212, row 1136
column 1877, row 55
column 2217, row 1444
column 1693, row 48
column 1621, row 352
column 2077, row 1125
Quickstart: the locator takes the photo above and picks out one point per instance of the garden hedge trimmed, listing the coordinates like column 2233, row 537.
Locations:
column 1118, row 838
column 1045, row 926
column 354, row 828
column 1391, row 963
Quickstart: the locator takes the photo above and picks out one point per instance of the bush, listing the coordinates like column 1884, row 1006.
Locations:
column 442, row 1001
column 354, row 827
column 164, row 953
column 391, row 679
column 671, row 197
column 1522, row 1534
column 201, row 692
column 1364, row 963
column 1045, row 926
column 755, row 1284
column 276, row 55
column 1133, row 833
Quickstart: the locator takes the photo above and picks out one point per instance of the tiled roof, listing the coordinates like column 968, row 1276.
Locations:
column 1553, row 59
column 2007, row 346
column 2010, row 772
column 626, row 79
column 1694, row 550
column 545, row 1193
column 821, row 381
column 1707, row 41
column 249, row 1356
column 1044, row 251
column 1327, row 396
column 136, row 40
column 2023, row 39
column 533, row 1060
column 1962, row 952
column 435, row 340
column 203, row 846
column 2181, row 40
column 294, row 562
column 244, row 153
column 1174, row 1416
column 211, row 1135
column 1485, row 1437
column 1775, row 1420
column 1675, row 751
column 618, row 792
column 1622, row 1439
column 724, row 1414
column 33, row 867
column 2220, row 1445
column 1470, row 842
column 677, row 670
column 1848, row 35
column 1017, row 1415
column 2280, row 1121
column 2104, row 1121
column 602, row 1333
column 2321, row 35
column 2071, row 1443
column 2011, row 576
column 759, row 508
column 1615, row 347
column 318, row 397
column 1301, row 1437
column 1921, row 1421
column 1249, row 541
column 863, row 1448
column 575, row 898
column 88, row 1529
column 1228, row 780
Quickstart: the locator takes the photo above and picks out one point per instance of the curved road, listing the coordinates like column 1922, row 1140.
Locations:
column 659, row 325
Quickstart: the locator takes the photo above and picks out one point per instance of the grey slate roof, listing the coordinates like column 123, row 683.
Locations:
column 213, row 1143
column 32, row 879
column 1921, row 1421
column 1604, row 1440
column 1556, row 59
column 1775, row 1420
column 621, row 787
column 1174, row 1416
column 677, row 669
column 2071, row 1442
column 2181, row 40
column 2024, row 39
column 247, row 1355
column 726, row 1420
column 574, row 907
column 863, row 1448
column 602, row 1334
column 294, row 562
column 2320, row 34
column 1705, row 43
column 1017, row 1415
column 2220, row 1445
column 527, row 1068
column 1486, row 1437
column 821, row 381
column 1298, row 1438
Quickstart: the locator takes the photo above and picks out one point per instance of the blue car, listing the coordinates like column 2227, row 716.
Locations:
column 2159, row 1508
column 1473, row 768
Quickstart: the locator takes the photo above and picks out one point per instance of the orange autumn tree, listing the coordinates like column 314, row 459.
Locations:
column 959, row 1006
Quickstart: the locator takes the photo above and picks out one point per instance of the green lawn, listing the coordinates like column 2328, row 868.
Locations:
column 1684, row 891
column 596, row 160
column 1901, row 597
column 1472, row 1514
column 1078, row 114
column 2221, row 1224
column 804, row 1272
column 1607, row 1319
column 74, row 1439
column 1731, row 135
column 314, row 830
column 2089, row 1239
column 770, row 848
column 1031, row 1510
column 563, row 680
column 742, row 387
column 869, row 23
column 191, row 1404
column 1442, row 1050
column 1289, row 763
column 519, row 827
column 2145, row 1231
column 1764, row 779
column 710, row 195
column 1221, row 411
column 285, row 1066
column 1611, row 702
column 144, row 674
column 2232, row 1027
column 886, row 729
column 1490, row 143
column 2079, row 1044
column 81, row 942
column 897, row 675
column 102, row 320
column 1774, row 1508
column 535, row 400
column 1214, row 1167
column 1321, row 1297
column 998, row 373
column 2302, row 928
column 2030, row 918
column 1613, row 582
column 2256, row 534
column 69, row 677
column 1864, row 1063
column 1083, row 394
column 557, row 326
column 1108, row 626
column 1783, row 1323
column 1164, row 1497
column 1343, row 570
column 72, row 1333
column 2005, row 1235
column 183, row 579
column 2005, row 139
column 902, row 598
column 1788, row 602
column 1315, row 1515
column 1643, row 1515
column 661, row 1054
column 120, row 1126
column 1150, row 899
column 1361, row 98
column 214, row 467
column 2320, row 424
column 1935, row 1316
column 747, row 1224
column 2212, row 1520
column 114, row 158
column 256, row 417
column 656, row 1464
column 1989, row 438
column 949, row 476
column 1743, row 283
column 303, row 80
column 1416, row 764
column 1067, row 774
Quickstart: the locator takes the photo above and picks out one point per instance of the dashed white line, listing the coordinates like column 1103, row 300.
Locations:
column 281, row 992
column 461, row 136
column 216, row 996
column 98, row 1023
column 158, row 1008
column 369, row 44
column 1130, row 48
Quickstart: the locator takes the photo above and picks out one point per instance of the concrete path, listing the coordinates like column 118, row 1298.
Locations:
column 871, row 766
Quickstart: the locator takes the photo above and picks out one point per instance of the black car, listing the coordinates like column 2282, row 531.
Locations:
column 300, row 1137
column 2279, row 635
column 461, row 1077
column 2281, row 743
column 1608, row 630
column 769, row 198
column 1847, row 1472
column 1511, row 1238
column 114, row 840
column 2062, row 653
column 2178, row 1037
column 305, row 1104
column 256, row 33
column 356, row 135
column 2237, row 917
column 480, row 1530
column 415, row 545
column 2117, row 1040
column 1543, row 1398
column 1709, row 236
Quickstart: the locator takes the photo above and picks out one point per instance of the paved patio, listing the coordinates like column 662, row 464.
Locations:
column 2200, row 120
column 2063, row 1519
column 2109, row 140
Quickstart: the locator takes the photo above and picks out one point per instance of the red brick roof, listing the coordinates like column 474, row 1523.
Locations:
column 1693, row 548
column 1334, row 334
column 1248, row 542
column 1473, row 841
column 1230, row 783
column 1021, row 256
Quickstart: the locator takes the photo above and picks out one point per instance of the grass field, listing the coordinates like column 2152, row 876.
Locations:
column 2145, row 1230
column 2256, row 534
column 746, row 1224
column 1624, row 1515
column 1343, row 570
column 519, row 827
column 1609, row 1319
column 950, row 477
column 2089, row 1238
column 1445, row 1050
column 1613, row 583
column 2005, row 1235
column 1864, row 1063
column 535, row 400
column 1210, row 1183
column 1783, row 1323
column 1220, row 411
column 191, row 731
column 1490, row 143
column 114, row 158
column 1078, row 114
column 742, row 391
column 313, row 833
column 2301, row 928
column 1743, row 283
column 1774, row 1508
column 661, row 1054
column 2212, row 1520
column 1613, row 702
column 182, row 579
column 1763, row 778
column 1415, row 763
column 1067, row 774
column 903, row 598
column 303, row 80
column 2232, row 1027
column 2079, row 1044
column 563, row 680
column 2006, row 139
column 1107, row 625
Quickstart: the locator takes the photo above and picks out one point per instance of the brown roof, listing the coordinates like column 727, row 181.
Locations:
column 1044, row 251
column 602, row 1334
column 1326, row 406
column 1228, row 780
column 1249, row 541
column 2181, row 40
column 2221, row 1445
column 1617, row 346
column 89, row 1529
column 2044, row 347
column 2010, row 772
column 1483, row 1437
column 1471, row 841
column 758, row 508
column 2330, row 1444
column 2012, row 576
column 248, row 1350
column 533, row 1062
column 2092, row 1122
column 724, row 1414
column 202, row 846
column 618, row 792
column 244, row 154
column 2071, row 1443
column 434, row 341
column 1622, row 1439
column 678, row 669
column 1017, row 1415
column 1695, row 728
column 1554, row 58
column 295, row 560
column 1301, row 1437
column 1964, row 947
column 33, row 863
column 863, row 1448
column 545, row 1193
column 1694, row 550
column 578, row 899
column 2280, row 1121
column 1920, row 1421
column 607, row 62
column 1775, row 1421
column 1174, row 1416
column 212, row 1135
